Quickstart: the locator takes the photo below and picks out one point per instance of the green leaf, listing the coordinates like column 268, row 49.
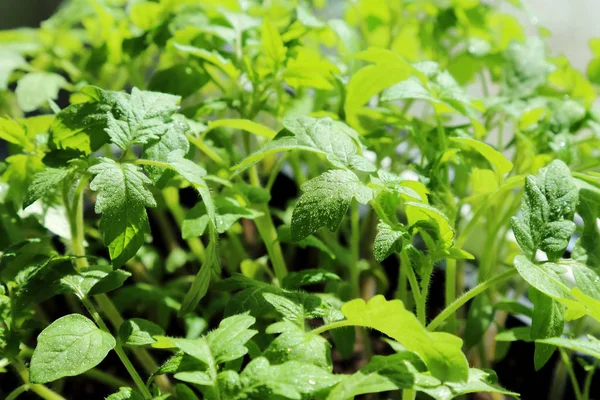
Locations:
column 496, row 159
column 333, row 139
column 478, row 381
column 161, row 149
column 272, row 45
column 387, row 241
column 201, row 282
column 122, row 199
column 290, row 380
column 36, row 88
column 179, row 80
column 9, row 61
column 194, row 173
column 139, row 332
column 242, row 125
column 38, row 279
column 325, row 201
column 543, row 279
column 382, row 374
column 424, row 212
column 69, row 346
column 411, row 88
column 293, row 344
column 13, row 132
column 372, row 79
column 211, row 57
column 251, row 298
column 140, row 117
column 94, row 279
column 547, row 210
column 227, row 342
column 229, row 211
column 440, row 351
column 526, row 67
column 46, row 182
column 294, row 280
column 547, row 321
column 125, row 393
column 81, row 126
column 591, row 346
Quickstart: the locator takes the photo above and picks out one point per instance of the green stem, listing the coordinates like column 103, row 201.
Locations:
column 409, row 394
column 171, row 196
column 414, row 286
column 354, row 248
column 450, row 291
column 106, row 378
column 41, row 390
column 441, row 135
column 588, row 380
column 572, row 376
column 118, row 349
column 456, row 304
column 268, row 233
column 328, row 327
column 17, row 392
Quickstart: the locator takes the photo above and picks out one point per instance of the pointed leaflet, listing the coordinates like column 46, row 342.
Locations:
column 325, row 201
column 381, row 374
column 35, row 89
column 122, row 200
column 417, row 212
column 139, row 332
column 440, row 351
column 496, row 159
column 547, row 209
column 46, row 182
column 226, row 343
column 591, row 346
column 290, row 380
column 159, row 150
column 294, row 344
column 193, row 173
column 387, row 241
column 10, row 60
column 140, row 117
column 333, row 139
column 69, row 346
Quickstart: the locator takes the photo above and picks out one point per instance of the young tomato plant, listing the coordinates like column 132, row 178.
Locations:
column 295, row 200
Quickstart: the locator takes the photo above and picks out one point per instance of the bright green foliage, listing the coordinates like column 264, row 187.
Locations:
column 122, row 201
column 440, row 351
column 139, row 332
column 35, row 89
column 69, row 346
column 326, row 201
column 548, row 206
column 279, row 186
column 333, row 139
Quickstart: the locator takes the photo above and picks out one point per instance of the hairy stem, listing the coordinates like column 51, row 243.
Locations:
column 414, row 286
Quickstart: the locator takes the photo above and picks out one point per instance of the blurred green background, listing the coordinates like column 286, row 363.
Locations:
column 572, row 22
column 20, row 13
